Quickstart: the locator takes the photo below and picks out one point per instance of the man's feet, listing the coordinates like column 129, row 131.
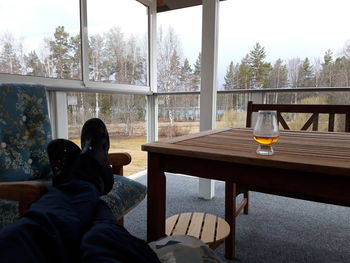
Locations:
column 62, row 154
column 95, row 144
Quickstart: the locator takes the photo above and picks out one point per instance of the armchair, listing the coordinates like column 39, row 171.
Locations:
column 25, row 174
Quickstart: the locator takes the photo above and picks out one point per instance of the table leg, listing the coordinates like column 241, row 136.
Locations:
column 155, row 198
column 230, row 211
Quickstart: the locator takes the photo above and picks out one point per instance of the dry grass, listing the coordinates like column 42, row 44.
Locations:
column 297, row 120
column 232, row 119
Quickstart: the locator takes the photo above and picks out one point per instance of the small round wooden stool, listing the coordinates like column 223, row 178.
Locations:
column 209, row 228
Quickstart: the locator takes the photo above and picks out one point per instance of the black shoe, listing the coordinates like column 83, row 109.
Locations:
column 62, row 154
column 95, row 144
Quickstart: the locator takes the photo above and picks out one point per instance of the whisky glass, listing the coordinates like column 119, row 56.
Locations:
column 266, row 132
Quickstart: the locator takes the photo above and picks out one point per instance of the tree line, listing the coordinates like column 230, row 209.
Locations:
column 254, row 72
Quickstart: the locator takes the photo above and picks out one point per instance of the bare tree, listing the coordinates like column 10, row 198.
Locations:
column 168, row 63
column 9, row 60
column 293, row 66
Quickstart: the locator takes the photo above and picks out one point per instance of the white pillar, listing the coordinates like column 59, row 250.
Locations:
column 58, row 114
column 208, row 80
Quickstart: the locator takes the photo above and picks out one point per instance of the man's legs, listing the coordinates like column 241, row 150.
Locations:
column 51, row 230
column 109, row 241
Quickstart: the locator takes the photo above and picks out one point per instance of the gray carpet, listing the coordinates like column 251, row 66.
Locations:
column 278, row 229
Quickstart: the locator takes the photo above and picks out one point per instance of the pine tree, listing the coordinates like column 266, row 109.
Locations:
column 278, row 75
column 328, row 57
column 186, row 76
column 327, row 74
column 175, row 71
column 60, row 52
column 258, row 68
column 196, row 80
column 105, row 105
column 75, row 57
column 244, row 74
column 306, row 74
column 230, row 78
column 33, row 64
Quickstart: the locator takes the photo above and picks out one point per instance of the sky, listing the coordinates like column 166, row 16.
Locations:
column 39, row 18
column 286, row 29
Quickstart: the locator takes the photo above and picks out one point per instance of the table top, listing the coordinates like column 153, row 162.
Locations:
column 319, row 152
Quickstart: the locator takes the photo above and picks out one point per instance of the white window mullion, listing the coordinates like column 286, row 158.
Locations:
column 51, row 83
column 152, row 102
column 84, row 41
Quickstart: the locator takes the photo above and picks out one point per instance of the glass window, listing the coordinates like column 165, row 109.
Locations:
column 124, row 116
column 231, row 110
column 118, row 41
column 281, row 44
column 177, row 115
column 178, row 49
column 40, row 38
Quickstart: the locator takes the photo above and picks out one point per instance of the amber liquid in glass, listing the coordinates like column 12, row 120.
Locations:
column 266, row 140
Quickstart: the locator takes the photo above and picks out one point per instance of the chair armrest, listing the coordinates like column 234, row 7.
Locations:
column 117, row 161
column 25, row 192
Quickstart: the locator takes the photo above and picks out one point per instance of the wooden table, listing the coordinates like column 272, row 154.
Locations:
column 308, row 165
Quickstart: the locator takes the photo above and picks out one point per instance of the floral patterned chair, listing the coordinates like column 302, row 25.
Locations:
column 25, row 173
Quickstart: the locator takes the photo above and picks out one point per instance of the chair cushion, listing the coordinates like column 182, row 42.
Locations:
column 181, row 249
column 125, row 195
column 25, row 131
column 8, row 212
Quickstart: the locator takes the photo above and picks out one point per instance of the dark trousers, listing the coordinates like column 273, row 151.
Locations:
column 71, row 224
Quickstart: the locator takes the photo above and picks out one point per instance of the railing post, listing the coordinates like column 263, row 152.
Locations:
column 152, row 118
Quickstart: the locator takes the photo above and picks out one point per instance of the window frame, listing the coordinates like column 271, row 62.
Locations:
column 85, row 85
